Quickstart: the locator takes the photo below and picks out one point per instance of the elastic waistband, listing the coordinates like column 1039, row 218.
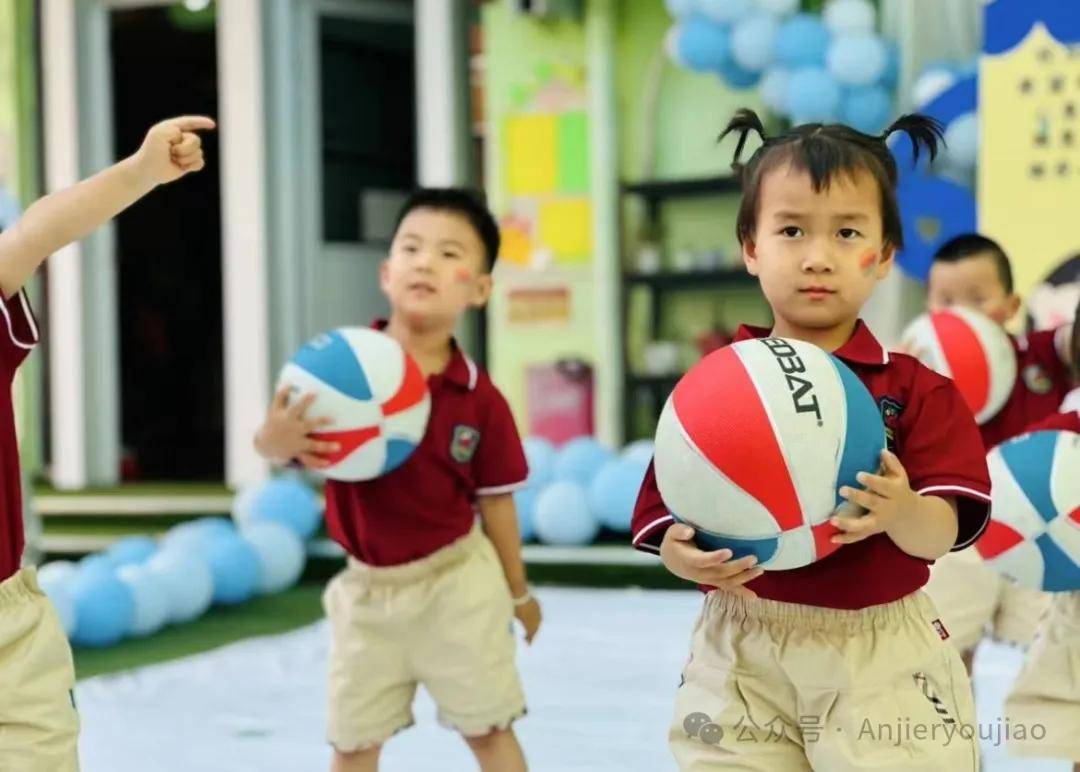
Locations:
column 19, row 587
column 917, row 605
column 406, row 573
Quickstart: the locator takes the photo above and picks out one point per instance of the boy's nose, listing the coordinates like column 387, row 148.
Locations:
column 818, row 260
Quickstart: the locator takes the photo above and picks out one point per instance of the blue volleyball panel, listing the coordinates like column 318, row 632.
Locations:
column 763, row 549
column 1060, row 573
column 865, row 436
column 396, row 453
column 1029, row 459
column 331, row 359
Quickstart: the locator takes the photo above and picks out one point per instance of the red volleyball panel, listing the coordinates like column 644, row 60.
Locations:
column 823, row 533
column 348, row 441
column 997, row 539
column 720, row 410
column 967, row 361
column 1074, row 516
column 412, row 389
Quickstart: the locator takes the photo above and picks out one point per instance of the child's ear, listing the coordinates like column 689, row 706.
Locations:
column 1012, row 305
column 481, row 290
column 888, row 259
column 749, row 257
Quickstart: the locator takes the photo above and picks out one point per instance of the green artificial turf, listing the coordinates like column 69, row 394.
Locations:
column 267, row 615
column 142, row 489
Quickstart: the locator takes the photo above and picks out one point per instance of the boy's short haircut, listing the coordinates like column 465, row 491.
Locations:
column 971, row 245
column 470, row 204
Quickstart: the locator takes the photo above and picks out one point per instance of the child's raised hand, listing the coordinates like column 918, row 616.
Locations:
column 172, row 149
column 886, row 497
column 683, row 558
column 285, row 435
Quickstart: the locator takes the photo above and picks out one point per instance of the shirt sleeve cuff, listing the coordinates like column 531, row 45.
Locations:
column 499, row 490
column 648, row 538
column 972, row 508
column 21, row 325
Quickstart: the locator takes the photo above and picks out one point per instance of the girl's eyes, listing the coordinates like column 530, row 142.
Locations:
column 451, row 255
column 848, row 233
column 791, row 231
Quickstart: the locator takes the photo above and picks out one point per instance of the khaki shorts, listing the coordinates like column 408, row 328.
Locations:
column 444, row 621
column 39, row 727
column 779, row 686
column 973, row 600
column 1045, row 701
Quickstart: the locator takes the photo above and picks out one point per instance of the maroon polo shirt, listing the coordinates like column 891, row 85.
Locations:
column 471, row 448
column 1042, row 381
column 17, row 338
column 933, row 433
column 1058, row 422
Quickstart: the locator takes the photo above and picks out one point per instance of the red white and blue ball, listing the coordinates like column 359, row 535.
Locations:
column 1034, row 532
column 374, row 393
column 755, row 442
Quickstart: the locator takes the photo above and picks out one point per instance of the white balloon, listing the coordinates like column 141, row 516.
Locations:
column 62, row 602
column 752, row 42
column 962, row 142
column 857, row 59
column 58, row 571
column 930, row 85
column 678, row 9
column 847, row 16
column 779, row 7
column 773, row 89
column 671, row 45
column 151, row 594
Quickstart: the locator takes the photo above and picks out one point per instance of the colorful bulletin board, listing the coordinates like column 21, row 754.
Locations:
column 548, row 219
column 1029, row 185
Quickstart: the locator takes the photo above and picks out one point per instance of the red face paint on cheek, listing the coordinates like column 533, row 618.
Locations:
column 868, row 261
column 461, row 276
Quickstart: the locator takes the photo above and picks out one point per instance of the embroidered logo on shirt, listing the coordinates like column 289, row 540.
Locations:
column 1037, row 379
column 890, row 416
column 941, row 631
column 463, row 445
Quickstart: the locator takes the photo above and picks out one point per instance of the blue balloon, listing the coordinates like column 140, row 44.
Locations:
column 890, row 77
column 104, row 608
column 801, row 41
column 773, row 89
column 679, row 8
column 286, row 500
column 580, row 459
column 725, row 11
column 151, row 595
column 281, row 555
column 736, row 77
column 703, row 45
column 932, row 210
column 563, row 516
column 234, row 564
column 868, row 109
column 540, row 455
column 60, row 597
column 188, row 579
column 638, row 450
column 614, row 492
column 962, row 97
column 59, row 571
column 195, row 535
column 752, row 42
column 813, row 96
column 525, row 505
column 95, row 563
column 857, row 59
column 132, row 550
column 962, row 142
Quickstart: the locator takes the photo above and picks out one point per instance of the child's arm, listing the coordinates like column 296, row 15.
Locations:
column 284, row 436
column 171, row 150
column 923, row 526
column 501, row 526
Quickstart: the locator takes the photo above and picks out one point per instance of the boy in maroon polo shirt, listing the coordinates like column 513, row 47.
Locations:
column 428, row 597
column 973, row 271
column 839, row 665
column 38, row 724
column 1047, row 691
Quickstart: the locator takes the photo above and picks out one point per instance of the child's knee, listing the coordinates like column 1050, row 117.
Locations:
column 493, row 739
column 360, row 760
